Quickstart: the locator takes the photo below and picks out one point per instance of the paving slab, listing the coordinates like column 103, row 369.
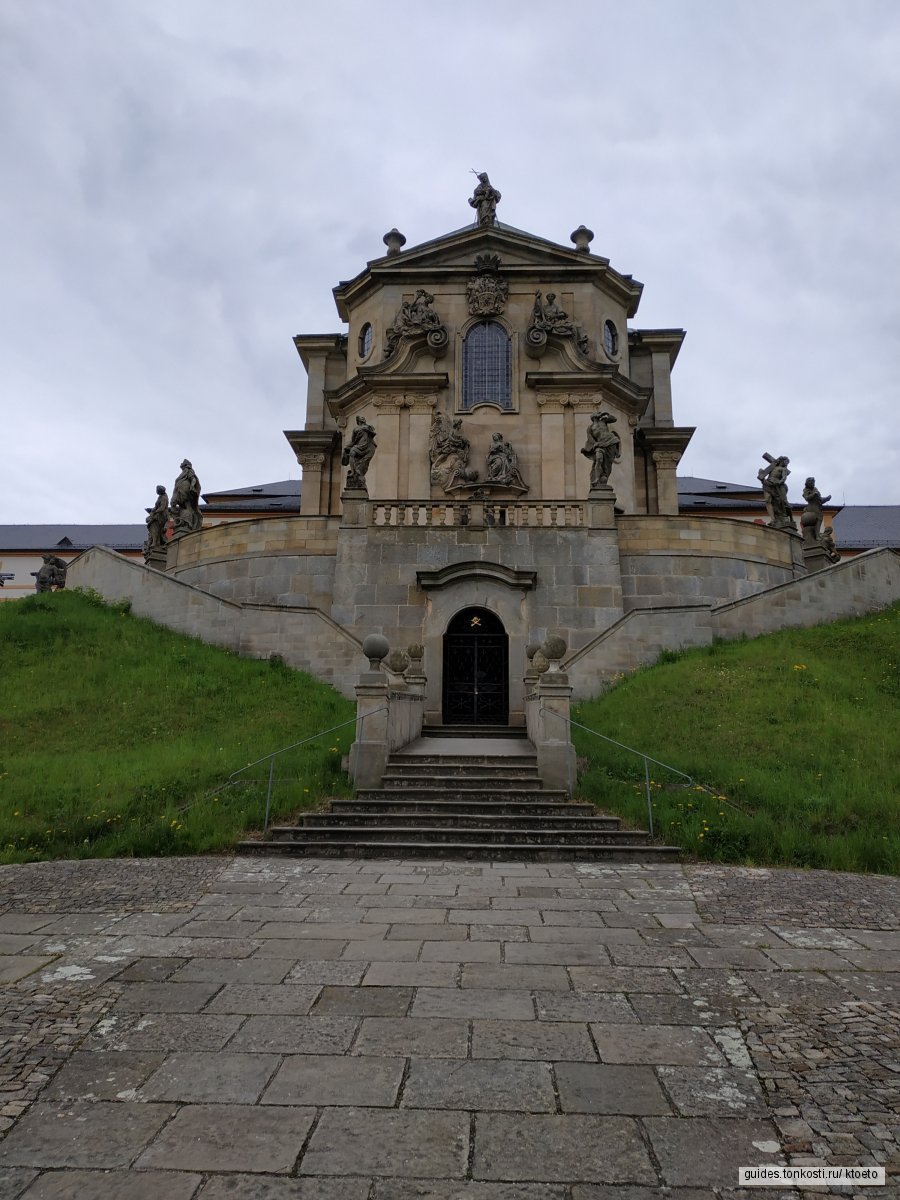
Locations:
column 611, row 1007
column 434, row 1189
column 363, row 1002
column 166, row 997
column 429, row 1145
column 418, row 1037
column 655, row 1044
column 480, row 1086
column 101, row 1134
column 225, row 1077
column 412, row 974
column 485, row 975
column 163, row 1031
column 232, row 970
column 150, row 970
column 322, row 971
column 336, row 1079
column 103, row 1075
column 114, row 1185
column 560, row 1149
column 230, row 1137
column 295, row 1035
column 605, row 1088
column 14, row 967
column 501, row 1003
column 13, row 1181
column 698, row 1152
column 713, row 1091
column 272, row 1187
column 259, row 999
column 543, row 1040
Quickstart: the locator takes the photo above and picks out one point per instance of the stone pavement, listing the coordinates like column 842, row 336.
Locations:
column 246, row 1029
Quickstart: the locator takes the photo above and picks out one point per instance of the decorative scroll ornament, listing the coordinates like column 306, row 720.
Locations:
column 417, row 316
column 449, row 451
column 486, row 292
column 546, row 318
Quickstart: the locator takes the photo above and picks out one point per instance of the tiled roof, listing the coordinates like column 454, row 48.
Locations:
column 45, row 538
column 865, row 525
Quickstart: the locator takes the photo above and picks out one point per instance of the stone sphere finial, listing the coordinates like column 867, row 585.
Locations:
column 375, row 647
column 395, row 241
column 582, row 237
column 554, row 649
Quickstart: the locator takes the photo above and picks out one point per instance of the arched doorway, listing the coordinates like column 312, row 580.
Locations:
column 476, row 669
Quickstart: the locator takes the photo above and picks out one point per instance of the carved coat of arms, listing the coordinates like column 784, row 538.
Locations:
column 486, row 291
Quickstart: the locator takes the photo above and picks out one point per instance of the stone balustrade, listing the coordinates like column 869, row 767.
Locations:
column 423, row 514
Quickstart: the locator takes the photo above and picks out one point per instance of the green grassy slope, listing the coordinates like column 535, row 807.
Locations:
column 801, row 729
column 110, row 727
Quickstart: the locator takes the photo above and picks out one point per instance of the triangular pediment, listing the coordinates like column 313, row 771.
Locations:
column 452, row 257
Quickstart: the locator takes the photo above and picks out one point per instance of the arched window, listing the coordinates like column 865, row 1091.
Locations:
column 487, row 366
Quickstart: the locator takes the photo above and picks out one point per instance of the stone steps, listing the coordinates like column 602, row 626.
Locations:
column 446, row 803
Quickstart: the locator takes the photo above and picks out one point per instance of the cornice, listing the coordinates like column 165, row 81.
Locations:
column 324, row 343
column 665, row 440
column 661, row 341
column 312, row 441
column 599, row 380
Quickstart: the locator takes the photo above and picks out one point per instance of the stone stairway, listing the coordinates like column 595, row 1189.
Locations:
column 462, row 793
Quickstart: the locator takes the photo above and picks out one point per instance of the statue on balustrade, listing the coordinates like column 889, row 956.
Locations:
column 774, row 484
column 449, row 451
column 603, row 447
column 157, row 522
column 812, row 516
column 503, row 464
column 186, row 501
column 358, row 454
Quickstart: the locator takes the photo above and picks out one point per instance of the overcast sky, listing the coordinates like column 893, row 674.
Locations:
column 184, row 181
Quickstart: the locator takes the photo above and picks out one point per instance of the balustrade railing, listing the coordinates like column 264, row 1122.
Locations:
column 519, row 514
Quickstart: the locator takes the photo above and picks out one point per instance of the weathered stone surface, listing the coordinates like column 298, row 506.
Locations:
column 267, row 1187
column 218, row 1078
column 479, row 1086
column 473, row 1002
column 560, row 1148
column 419, row 1037
column 264, row 1000
column 655, row 1044
column 706, row 1153
column 543, row 1040
column 429, row 1145
column 433, row 1189
column 114, row 1185
column 13, row 1181
column 584, row 1006
column 713, row 1091
column 296, row 1035
column 102, row 1075
column 322, row 1079
column 604, row 1088
column 231, row 1137
column 101, row 1134
column 363, row 1002
column 165, row 997
column 163, row 1031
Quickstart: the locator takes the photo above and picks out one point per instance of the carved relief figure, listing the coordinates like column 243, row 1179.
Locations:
column 812, row 516
column 486, row 292
column 547, row 317
column 358, row 454
column 503, row 465
column 774, row 484
column 186, row 500
column 485, row 200
column 603, row 447
column 416, row 316
column 157, row 521
column 449, row 453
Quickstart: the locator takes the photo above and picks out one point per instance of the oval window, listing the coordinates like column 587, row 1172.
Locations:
column 610, row 339
column 365, row 340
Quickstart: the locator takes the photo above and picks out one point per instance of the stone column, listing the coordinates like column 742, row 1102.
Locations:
column 368, row 754
column 311, row 487
column 665, row 462
column 419, row 466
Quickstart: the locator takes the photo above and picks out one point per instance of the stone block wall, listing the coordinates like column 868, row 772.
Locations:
column 305, row 638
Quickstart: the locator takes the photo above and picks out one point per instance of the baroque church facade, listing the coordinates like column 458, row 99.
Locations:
column 489, row 459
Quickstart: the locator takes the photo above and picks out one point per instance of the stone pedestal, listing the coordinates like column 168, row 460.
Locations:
column 547, row 720
column 815, row 557
column 355, row 508
column 156, row 558
column 600, row 510
column 368, row 754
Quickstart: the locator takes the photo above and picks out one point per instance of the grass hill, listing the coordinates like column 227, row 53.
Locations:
column 797, row 733
column 116, row 737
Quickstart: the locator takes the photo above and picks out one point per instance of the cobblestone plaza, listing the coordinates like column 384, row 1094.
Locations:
column 196, row 1029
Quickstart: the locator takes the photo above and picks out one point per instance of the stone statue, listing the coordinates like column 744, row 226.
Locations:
column 485, row 200
column 812, row 516
column 547, row 317
column 774, row 484
column 828, row 545
column 486, row 292
column 503, row 465
column 449, row 453
column 603, row 447
column 186, row 501
column 157, row 522
column 416, row 316
column 358, row 454
column 52, row 574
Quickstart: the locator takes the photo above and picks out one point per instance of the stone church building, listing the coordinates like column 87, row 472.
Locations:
column 488, row 459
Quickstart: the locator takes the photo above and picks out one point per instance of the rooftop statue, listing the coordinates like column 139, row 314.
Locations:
column 485, row 200
column 416, row 316
column 503, row 465
column 157, row 521
column 449, row 453
column 603, row 447
column 358, row 454
column 774, row 484
column 186, row 501
column 812, row 516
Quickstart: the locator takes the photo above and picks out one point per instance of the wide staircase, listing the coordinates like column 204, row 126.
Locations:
column 462, row 792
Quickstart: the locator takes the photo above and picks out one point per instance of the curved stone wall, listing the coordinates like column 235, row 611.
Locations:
column 701, row 560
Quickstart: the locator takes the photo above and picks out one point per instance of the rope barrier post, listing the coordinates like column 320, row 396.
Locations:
column 269, row 793
column 647, row 788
